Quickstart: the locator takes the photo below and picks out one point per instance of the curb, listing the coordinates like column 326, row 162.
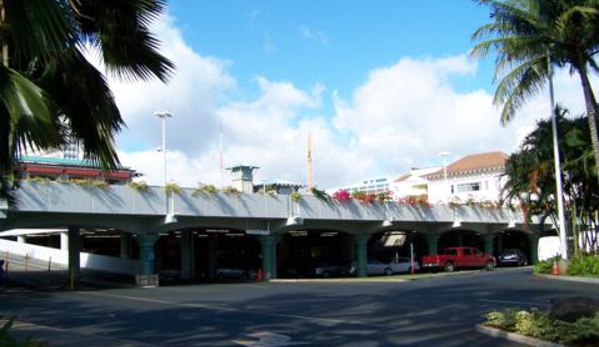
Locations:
column 335, row 280
column 570, row 278
column 506, row 335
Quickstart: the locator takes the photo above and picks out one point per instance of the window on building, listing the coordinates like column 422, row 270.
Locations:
column 468, row 187
column 486, row 185
column 452, row 189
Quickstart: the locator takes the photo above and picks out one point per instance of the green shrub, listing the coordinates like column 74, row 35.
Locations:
column 545, row 266
column 584, row 265
column 540, row 325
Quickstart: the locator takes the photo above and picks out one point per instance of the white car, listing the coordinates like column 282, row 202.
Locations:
column 375, row 267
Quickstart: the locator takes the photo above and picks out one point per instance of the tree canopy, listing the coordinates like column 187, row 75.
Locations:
column 50, row 94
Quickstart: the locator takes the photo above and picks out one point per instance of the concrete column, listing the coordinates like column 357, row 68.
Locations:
column 21, row 239
column 361, row 243
column 534, row 248
column 74, row 259
column 125, row 245
column 488, row 238
column 147, row 256
column 269, row 255
column 64, row 241
column 432, row 241
column 187, row 255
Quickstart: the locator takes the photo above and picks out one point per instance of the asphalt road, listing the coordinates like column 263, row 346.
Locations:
column 430, row 312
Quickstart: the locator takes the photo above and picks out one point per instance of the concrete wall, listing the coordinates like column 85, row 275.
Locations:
column 58, row 257
column 55, row 197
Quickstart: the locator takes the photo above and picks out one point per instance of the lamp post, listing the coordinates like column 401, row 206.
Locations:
column 556, row 161
column 163, row 115
column 444, row 155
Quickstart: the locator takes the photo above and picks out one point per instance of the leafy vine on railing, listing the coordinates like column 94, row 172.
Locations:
column 296, row 196
column 172, row 187
column 206, row 189
column 320, row 194
column 231, row 191
column 86, row 183
column 140, row 186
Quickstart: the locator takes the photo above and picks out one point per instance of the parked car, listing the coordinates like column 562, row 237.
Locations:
column 375, row 267
column 333, row 270
column 512, row 257
column 459, row 258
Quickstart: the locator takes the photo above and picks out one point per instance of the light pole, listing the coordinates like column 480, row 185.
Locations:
column 558, row 173
column 164, row 115
column 444, row 155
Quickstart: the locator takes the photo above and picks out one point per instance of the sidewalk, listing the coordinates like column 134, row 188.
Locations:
column 591, row 280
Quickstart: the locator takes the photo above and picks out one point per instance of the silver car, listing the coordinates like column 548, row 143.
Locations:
column 377, row 268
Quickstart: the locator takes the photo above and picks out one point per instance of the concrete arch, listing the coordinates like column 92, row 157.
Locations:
column 299, row 252
column 383, row 247
column 458, row 237
column 514, row 239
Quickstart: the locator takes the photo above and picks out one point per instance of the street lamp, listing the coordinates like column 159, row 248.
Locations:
column 444, row 155
column 164, row 115
column 558, row 173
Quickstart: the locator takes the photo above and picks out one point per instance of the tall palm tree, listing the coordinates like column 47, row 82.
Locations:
column 526, row 34
column 50, row 93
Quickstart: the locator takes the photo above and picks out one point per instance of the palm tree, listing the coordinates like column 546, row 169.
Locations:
column 526, row 34
column 50, row 93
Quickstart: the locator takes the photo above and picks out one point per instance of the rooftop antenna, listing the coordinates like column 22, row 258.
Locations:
column 310, row 172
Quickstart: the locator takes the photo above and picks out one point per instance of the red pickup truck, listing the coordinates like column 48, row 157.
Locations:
column 458, row 258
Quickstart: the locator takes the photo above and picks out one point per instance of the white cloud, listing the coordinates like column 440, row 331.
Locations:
column 314, row 35
column 401, row 116
column 191, row 95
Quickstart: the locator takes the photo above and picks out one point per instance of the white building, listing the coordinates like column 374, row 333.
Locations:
column 412, row 184
column 473, row 177
column 368, row 186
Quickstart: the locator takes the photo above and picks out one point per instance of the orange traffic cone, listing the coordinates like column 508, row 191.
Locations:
column 555, row 269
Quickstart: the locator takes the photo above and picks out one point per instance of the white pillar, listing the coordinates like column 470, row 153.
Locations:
column 64, row 241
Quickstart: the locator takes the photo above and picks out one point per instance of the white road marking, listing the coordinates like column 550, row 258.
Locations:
column 267, row 339
column 333, row 321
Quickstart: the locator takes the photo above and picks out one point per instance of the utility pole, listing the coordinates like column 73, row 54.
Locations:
column 310, row 172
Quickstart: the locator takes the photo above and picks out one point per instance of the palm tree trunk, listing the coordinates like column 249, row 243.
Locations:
column 591, row 106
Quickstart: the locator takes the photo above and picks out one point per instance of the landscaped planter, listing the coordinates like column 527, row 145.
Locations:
column 531, row 341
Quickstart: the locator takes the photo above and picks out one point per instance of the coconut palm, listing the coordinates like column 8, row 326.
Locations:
column 50, row 93
column 526, row 34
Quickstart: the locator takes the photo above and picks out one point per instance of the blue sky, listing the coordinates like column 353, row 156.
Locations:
column 334, row 42
column 382, row 86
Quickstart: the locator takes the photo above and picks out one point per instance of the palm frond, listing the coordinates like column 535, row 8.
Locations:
column 517, row 86
column 37, row 29
column 120, row 29
column 88, row 105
